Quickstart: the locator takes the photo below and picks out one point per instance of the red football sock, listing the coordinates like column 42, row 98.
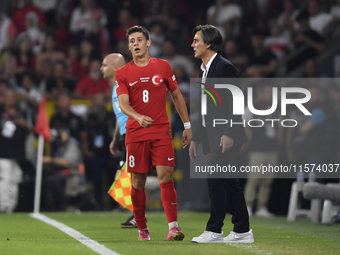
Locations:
column 169, row 200
column 138, row 202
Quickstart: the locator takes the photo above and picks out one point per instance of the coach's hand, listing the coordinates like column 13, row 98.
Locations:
column 193, row 151
column 226, row 143
column 186, row 137
column 145, row 121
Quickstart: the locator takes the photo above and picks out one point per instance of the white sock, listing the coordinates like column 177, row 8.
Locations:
column 173, row 224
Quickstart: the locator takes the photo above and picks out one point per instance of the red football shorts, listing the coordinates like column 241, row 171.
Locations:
column 142, row 156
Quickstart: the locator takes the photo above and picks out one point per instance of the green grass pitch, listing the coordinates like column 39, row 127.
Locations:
column 21, row 234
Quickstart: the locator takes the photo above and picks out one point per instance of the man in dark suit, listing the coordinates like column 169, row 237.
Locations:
column 223, row 142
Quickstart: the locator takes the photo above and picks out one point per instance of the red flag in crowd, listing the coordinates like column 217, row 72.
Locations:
column 41, row 125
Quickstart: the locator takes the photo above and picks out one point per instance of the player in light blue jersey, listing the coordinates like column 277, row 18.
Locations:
column 109, row 66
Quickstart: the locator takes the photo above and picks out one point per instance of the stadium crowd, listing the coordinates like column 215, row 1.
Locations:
column 55, row 48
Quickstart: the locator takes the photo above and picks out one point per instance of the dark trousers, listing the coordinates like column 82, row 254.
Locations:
column 226, row 195
column 99, row 165
column 53, row 192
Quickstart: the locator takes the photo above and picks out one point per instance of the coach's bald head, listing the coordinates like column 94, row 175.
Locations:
column 110, row 65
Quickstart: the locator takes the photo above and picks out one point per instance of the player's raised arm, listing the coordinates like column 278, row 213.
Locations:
column 181, row 108
column 143, row 120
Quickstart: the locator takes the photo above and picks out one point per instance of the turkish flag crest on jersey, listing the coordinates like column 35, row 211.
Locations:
column 157, row 80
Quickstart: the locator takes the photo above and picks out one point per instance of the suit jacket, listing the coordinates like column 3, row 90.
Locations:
column 210, row 136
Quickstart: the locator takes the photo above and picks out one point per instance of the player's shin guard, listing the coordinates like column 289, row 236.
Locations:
column 138, row 202
column 169, row 200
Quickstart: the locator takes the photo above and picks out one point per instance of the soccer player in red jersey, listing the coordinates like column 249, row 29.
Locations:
column 141, row 87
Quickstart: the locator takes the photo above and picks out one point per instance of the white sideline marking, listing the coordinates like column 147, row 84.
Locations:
column 93, row 245
column 251, row 249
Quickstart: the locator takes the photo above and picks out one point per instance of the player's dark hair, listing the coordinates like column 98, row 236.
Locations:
column 139, row 29
column 212, row 36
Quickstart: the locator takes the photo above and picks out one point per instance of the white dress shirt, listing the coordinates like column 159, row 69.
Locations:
column 205, row 70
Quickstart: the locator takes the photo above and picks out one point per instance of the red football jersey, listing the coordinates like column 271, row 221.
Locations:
column 147, row 87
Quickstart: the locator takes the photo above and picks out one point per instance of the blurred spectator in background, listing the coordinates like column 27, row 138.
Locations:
column 223, row 11
column 24, row 59
column 93, row 83
column 308, row 42
column 335, row 11
column 99, row 125
column 277, row 43
column 158, row 11
column 318, row 20
column 176, row 30
column 311, row 69
column 65, row 118
column 49, row 8
column 175, row 59
column 50, row 51
column 63, row 13
column 333, row 111
column 4, row 86
column 87, row 54
column 98, row 33
column 81, row 17
column 88, row 22
column 123, row 49
column 263, row 61
column 19, row 15
column 33, row 32
column 29, row 98
column 333, row 28
column 61, row 30
column 307, row 144
column 74, row 70
column 58, row 83
column 237, row 57
column 62, row 179
column 13, row 130
column 125, row 21
column 7, row 33
column 228, row 30
column 7, row 69
column 225, row 15
column 263, row 146
column 45, row 75
column 157, row 39
column 85, row 18
column 287, row 18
